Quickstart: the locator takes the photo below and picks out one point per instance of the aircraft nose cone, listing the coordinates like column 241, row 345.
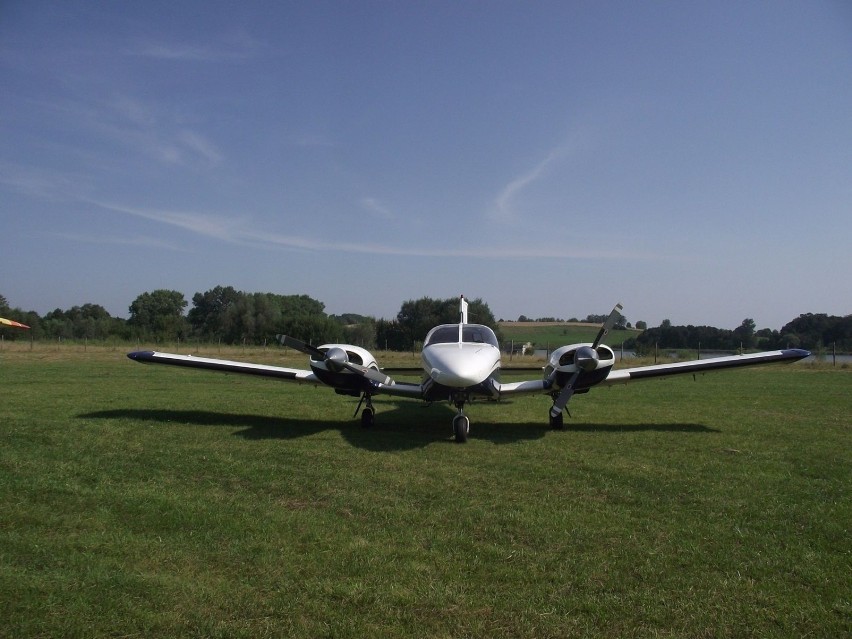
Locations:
column 457, row 367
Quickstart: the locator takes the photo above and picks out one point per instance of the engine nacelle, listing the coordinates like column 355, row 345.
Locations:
column 593, row 363
column 332, row 370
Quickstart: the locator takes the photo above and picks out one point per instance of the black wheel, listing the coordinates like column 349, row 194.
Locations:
column 461, row 428
column 557, row 423
column 367, row 417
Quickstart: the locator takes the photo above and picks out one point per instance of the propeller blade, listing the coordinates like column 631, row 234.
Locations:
column 566, row 393
column 307, row 349
column 608, row 324
column 370, row 373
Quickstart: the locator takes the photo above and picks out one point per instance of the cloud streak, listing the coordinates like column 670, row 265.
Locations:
column 238, row 46
column 237, row 230
column 504, row 204
column 376, row 208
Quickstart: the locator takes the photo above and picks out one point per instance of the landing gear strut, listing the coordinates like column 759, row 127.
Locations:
column 368, row 414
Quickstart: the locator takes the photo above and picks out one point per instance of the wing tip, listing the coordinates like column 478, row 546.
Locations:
column 796, row 353
column 141, row 356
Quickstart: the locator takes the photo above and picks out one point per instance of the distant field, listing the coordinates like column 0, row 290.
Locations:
column 546, row 334
column 150, row 501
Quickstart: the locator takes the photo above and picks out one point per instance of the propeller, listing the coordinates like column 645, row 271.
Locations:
column 608, row 324
column 586, row 359
column 335, row 358
column 302, row 347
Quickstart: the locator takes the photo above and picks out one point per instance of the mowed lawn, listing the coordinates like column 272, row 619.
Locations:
column 149, row 501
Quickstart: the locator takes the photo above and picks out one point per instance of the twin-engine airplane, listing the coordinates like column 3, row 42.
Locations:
column 461, row 362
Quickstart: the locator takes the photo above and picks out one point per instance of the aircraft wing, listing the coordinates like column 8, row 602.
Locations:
column 624, row 375
column 388, row 386
column 224, row 365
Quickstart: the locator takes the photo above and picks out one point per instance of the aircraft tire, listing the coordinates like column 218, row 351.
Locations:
column 557, row 423
column 367, row 418
column 461, row 428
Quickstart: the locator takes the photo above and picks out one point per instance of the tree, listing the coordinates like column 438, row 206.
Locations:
column 361, row 334
column 418, row 317
column 209, row 314
column 641, row 325
column 159, row 314
column 235, row 317
column 390, row 336
column 818, row 330
column 745, row 332
column 90, row 321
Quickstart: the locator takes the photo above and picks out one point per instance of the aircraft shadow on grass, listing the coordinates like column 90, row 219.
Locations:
column 401, row 427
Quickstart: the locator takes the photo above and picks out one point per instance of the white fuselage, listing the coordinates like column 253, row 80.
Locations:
column 460, row 357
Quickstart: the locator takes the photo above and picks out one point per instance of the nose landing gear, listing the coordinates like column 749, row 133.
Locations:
column 461, row 427
column 461, row 423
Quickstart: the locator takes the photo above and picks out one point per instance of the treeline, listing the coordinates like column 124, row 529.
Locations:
column 812, row 331
column 417, row 317
column 228, row 316
column 222, row 314
column 591, row 318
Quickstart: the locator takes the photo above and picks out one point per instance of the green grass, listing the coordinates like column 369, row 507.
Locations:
column 146, row 501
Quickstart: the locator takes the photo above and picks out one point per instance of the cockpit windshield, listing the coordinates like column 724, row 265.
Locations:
column 471, row 334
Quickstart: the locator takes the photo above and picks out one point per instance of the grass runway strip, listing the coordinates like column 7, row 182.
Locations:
column 142, row 501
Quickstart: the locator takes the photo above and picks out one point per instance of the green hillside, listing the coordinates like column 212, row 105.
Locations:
column 544, row 334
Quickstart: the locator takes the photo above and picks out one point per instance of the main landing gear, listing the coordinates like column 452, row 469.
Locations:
column 461, row 422
column 557, row 423
column 369, row 413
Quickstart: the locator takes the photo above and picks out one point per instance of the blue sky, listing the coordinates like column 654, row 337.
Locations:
column 690, row 160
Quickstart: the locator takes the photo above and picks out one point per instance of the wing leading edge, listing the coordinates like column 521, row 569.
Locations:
column 398, row 388
column 624, row 375
column 225, row 366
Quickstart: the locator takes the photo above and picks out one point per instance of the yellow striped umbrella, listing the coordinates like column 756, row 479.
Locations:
column 6, row 322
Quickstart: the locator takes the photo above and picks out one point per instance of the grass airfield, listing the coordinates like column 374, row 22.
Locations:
column 143, row 501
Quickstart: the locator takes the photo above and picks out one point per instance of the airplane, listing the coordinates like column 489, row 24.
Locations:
column 8, row 322
column 461, row 362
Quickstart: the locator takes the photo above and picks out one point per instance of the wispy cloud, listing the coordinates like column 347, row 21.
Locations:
column 504, row 204
column 145, row 129
column 237, row 46
column 238, row 230
column 143, row 241
column 41, row 183
column 376, row 208
column 200, row 145
column 228, row 229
